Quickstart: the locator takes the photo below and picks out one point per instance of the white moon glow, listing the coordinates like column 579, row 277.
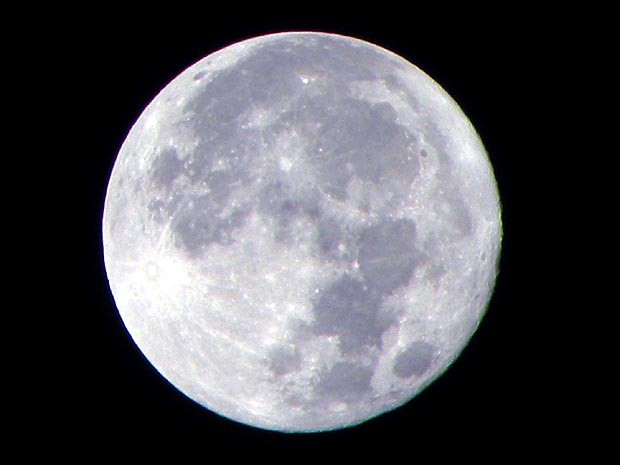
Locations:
column 301, row 231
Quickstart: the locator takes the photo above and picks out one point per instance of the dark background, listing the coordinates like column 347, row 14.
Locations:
column 502, row 398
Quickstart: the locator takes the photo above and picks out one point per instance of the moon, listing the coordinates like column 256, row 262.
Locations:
column 302, row 231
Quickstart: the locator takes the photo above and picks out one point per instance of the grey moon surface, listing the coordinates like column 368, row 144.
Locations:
column 301, row 231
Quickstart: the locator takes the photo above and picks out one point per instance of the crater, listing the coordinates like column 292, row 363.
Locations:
column 434, row 137
column 387, row 256
column 414, row 360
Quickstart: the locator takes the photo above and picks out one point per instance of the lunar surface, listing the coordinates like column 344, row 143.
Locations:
column 301, row 231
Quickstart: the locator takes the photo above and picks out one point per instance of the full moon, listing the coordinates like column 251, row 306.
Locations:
column 301, row 231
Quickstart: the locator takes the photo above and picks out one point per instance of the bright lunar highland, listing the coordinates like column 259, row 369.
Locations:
column 301, row 231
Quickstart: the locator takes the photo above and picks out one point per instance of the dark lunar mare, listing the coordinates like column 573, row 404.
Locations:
column 347, row 136
column 414, row 360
